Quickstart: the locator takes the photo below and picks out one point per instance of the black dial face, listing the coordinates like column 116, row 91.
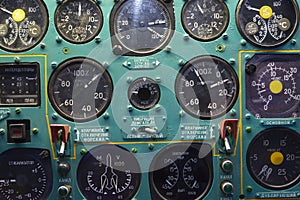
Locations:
column 181, row 167
column 271, row 83
column 144, row 93
column 273, row 158
column 267, row 23
column 23, row 24
column 78, row 21
column 206, row 87
column 20, row 84
column 205, row 20
column 25, row 174
column 80, row 89
column 142, row 27
column 108, row 172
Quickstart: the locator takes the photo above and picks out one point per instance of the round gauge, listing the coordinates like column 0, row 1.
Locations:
column 144, row 93
column 271, row 82
column 78, row 21
column 273, row 158
column 206, row 87
column 25, row 174
column 267, row 23
column 141, row 27
column 80, row 89
column 205, row 20
column 22, row 24
column 183, row 167
column 108, row 172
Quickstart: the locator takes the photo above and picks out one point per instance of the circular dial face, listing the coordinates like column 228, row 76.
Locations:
column 80, row 89
column 267, row 23
column 78, row 21
column 25, row 174
column 205, row 20
column 271, row 83
column 273, row 158
column 142, row 27
column 22, row 25
column 182, row 167
column 206, row 87
column 144, row 93
column 108, row 172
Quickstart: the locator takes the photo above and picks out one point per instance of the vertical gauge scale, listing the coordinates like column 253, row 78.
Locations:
column 181, row 167
column 108, row 172
column 23, row 24
column 141, row 27
column 273, row 158
column 207, row 87
column 267, row 23
column 78, row 21
column 80, row 89
column 205, row 20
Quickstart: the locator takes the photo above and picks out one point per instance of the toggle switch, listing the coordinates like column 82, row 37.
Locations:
column 60, row 135
column 228, row 135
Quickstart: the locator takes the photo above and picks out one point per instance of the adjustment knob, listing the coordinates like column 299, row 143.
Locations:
column 63, row 168
column 227, row 165
column 64, row 190
column 227, row 187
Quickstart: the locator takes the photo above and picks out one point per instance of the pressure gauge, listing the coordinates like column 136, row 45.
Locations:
column 273, row 158
column 80, row 89
column 23, row 24
column 207, row 87
column 78, row 21
column 205, row 20
column 267, row 23
column 140, row 27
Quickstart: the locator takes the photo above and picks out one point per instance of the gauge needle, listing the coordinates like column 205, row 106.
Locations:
column 91, row 81
column 200, row 9
column 79, row 9
column 219, row 83
column 153, row 31
column 251, row 8
column 5, row 10
column 198, row 75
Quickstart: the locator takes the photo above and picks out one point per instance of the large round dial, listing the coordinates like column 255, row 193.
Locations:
column 108, row 172
column 267, row 23
column 22, row 24
column 80, row 89
column 205, row 20
column 273, row 158
column 25, row 174
column 181, row 167
column 272, row 85
column 141, row 27
column 78, row 21
column 206, row 87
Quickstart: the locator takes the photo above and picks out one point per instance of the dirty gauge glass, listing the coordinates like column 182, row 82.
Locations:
column 23, row 24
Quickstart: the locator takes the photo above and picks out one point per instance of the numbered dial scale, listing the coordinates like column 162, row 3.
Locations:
column 205, row 20
column 108, row 172
column 78, row 21
column 80, row 89
column 181, row 167
column 140, row 27
column 272, row 85
column 206, row 87
column 25, row 174
column 267, row 23
column 273, row 158
column 22, row 24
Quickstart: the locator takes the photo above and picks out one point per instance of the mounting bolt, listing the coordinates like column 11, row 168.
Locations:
column 58, row 39
column 243, row 42
column 2, row 131
column 151, row 146
column 248, row 129
column 250, row 69
column 18, row 110
column 249, row 188
column 97, row 39
column 42, row 45
column 83, row 151
column 134, row 150
column 55, row 116
column 35, row 131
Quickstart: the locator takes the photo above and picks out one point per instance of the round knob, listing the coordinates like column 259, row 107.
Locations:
column 227, row 165
column 63, row 168
column 227, row 187
column 64, row 190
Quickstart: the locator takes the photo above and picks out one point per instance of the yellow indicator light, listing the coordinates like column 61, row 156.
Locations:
column 18, row 15
column 266, row 12
column 277, row 158
column 276, row 87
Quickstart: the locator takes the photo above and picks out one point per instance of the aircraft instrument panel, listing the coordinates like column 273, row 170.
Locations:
column 149, row 100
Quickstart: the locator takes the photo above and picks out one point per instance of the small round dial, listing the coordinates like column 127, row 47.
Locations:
column 25, row 174
column 181, row 167
column 22, row 24
column 141, row 27
column 205, row 20
column 108, row 172
column 206, row 87
column 273, row 158
column 144, row 93
column 80, row 89
column 267, row 23
column 78, row 21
